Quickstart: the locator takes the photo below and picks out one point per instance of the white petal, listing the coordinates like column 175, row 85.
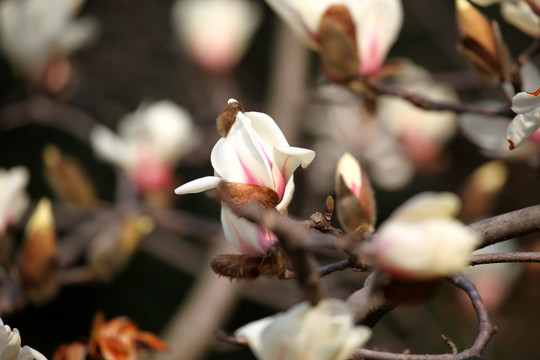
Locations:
column 242, row 156
column 530, row 76
column 109, row 147
column 378, row 23
column 198, row 185
column 286, row 161
column 27, row 353
column 524, row 102
column 427, row 205
column 521, row 127
column 287, row 196
column 266, row 128
column 289, row 10
column 520, row 14
column 487, row 132
column 247, row 237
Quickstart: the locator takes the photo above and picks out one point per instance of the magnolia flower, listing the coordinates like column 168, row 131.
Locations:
column 216, row 33
column 253, row 151
column 13, row 199
column 422, row 241
column 422, row 133
column 527, row 107
column 35, row 32
column 323, row 332
column 523, row 14
column 10, row 346
column 149, row 143
column 377, row 24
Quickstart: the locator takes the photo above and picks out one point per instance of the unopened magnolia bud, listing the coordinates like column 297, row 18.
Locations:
column 68, row 180
column 481, row 190
column 355, row 200
column 237, row 266
column 37, row 265
column 242, row 194
column 481, row 43
column 227, row 118
column 113, row 248
column 337, row 41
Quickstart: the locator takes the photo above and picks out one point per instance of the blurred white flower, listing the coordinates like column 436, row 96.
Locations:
column 10, row 346
column 323, row 332
column 216, row 33
column 254, row 151
column 377, row 25
column 35, row 32
column 149, row 143
column 422, row 133
column 421, row 240
column 522, row 14
column 527, row 107
column 13, row 198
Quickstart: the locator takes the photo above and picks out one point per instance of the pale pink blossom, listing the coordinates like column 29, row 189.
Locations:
column 322, row 332
column 149, row 143
column 377, row 25
column 255, row 152
column 527, row 107
column 216, row 33
column 421, row 240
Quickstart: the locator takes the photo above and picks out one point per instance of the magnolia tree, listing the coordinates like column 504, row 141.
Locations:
column 358, row 209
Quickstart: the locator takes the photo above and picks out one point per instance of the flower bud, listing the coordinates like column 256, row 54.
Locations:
column 355, row 200
column 37, row 266
column 337, row 39
column 68, row 180
column 481, row 44
column 112, row 249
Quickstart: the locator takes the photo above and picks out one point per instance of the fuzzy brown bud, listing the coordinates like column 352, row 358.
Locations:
column 337, row 41
column 241, row 194
column 227, row 118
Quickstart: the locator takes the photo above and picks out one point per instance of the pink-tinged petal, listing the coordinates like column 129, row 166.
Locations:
column 287, row 196
column 288, row 159
column 521, row 127
column 378, row 23
column 289, row 11
column 247, row 237
column 198, row 185
column 242, row 156
column 525, row 102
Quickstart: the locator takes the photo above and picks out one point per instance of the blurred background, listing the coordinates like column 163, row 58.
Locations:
column 152, row 263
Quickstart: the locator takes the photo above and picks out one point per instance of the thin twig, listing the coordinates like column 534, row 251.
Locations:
column 379, row 88
column 482, row 259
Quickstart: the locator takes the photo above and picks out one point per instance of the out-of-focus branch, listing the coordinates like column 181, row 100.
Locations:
column 482, row 259
column 484, row 334
column 379, row 88
column 292, row 239
column 506, row 226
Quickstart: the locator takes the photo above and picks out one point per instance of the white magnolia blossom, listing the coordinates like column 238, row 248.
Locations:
column 216, row 33
column 421, row 240
column 377, row 24
column 33, row 32
column 255, row 152
column 527, row 107
column 10, row 346
column 322, row 332
column 518, row 13
column 13, row 198
column 149, row 142
column 421, row 132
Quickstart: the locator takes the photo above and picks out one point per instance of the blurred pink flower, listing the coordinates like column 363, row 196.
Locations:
column 216, row 33
column 377, row 25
